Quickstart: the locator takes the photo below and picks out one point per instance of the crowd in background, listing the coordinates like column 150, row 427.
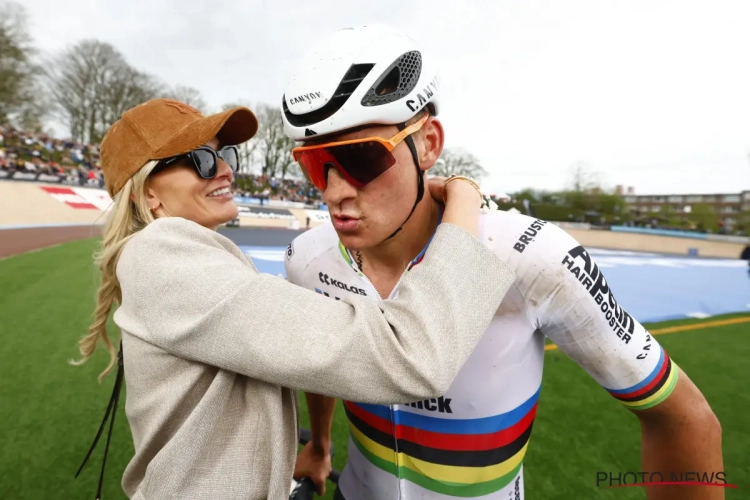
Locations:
column 41, row 154
column 80, row 164
column 265, row 188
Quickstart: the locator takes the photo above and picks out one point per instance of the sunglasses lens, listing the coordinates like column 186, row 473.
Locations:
column 364, row 161
column 313, row 164
column 205, row 163
column 231, row 157
column 359, row 163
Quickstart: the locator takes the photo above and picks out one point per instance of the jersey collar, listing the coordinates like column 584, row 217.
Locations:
column 353, row 264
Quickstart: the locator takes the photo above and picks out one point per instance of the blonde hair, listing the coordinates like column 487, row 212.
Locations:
column 127, row 217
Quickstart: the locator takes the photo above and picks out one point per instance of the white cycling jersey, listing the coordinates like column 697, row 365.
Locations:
column 471, row 442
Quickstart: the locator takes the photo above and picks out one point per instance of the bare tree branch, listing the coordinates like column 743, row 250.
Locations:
column 247, row 150
column 583, row 178
column 21, row 98
column 459, row 162
column 273, row 147
column 91, row 85
column 190, row 96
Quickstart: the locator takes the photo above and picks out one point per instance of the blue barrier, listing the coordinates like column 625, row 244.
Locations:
column 247, row 201
column 660, row 232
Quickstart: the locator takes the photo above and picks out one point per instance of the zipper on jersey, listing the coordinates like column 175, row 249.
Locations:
column 347, row 256
column 367, row 280
column 392, row 408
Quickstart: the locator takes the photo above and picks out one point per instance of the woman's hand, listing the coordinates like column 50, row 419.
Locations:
column 462, row 202
column 460, row 190
column 436, row 186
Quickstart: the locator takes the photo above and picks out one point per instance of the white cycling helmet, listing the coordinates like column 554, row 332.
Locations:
column 359, row 76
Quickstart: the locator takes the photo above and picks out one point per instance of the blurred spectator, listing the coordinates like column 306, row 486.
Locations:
column 79, row 164
column 25, row 152
column 271, row 188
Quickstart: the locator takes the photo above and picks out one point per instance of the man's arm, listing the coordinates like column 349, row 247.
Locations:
column 321, row 410
column 574, row 305
column 681, row 435
column 314, row 461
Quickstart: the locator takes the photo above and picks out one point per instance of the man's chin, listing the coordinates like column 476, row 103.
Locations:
column 354, row 241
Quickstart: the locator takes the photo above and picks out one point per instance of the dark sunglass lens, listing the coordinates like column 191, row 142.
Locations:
column 363, row 161
column 230, row 156
column 205, row 163
column 313, row 165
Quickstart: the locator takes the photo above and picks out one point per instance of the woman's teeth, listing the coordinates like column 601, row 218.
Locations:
column 219, row 192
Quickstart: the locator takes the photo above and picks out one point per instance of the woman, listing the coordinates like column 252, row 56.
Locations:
column 214, row 351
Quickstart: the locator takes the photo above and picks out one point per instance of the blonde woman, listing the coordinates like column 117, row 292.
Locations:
column 212, row 351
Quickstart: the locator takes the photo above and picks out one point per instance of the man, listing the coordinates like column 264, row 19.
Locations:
column 364, row 101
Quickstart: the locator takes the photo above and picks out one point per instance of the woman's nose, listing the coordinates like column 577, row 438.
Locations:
column 224, row 170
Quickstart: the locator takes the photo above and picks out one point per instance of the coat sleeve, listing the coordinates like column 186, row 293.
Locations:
column 188, row 293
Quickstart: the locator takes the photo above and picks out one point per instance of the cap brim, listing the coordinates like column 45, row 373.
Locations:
column 232, row 127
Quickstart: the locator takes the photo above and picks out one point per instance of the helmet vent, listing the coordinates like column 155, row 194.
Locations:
column 389, row 83
column 347, row 86
column 397, row 81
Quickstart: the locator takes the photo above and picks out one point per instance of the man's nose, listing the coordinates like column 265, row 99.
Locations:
column 337, row 189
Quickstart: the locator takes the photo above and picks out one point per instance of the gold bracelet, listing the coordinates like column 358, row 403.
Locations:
column 463, row 178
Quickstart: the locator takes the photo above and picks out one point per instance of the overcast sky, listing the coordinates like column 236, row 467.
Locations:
column 652, row 94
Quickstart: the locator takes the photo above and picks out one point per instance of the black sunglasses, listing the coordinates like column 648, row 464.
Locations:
column 205, row 160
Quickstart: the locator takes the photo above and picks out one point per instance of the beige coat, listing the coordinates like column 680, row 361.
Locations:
column 213, row 353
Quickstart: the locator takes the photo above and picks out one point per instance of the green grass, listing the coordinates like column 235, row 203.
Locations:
column 50, row 410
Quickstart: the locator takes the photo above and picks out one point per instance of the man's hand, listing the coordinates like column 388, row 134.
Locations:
column 315, row 463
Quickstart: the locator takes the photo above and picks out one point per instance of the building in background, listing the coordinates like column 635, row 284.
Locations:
column 727, row 206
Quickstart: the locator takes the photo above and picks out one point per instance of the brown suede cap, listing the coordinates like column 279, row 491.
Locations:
column 162, row 128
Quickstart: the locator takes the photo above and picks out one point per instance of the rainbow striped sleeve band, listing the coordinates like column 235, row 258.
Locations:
column 654, row 389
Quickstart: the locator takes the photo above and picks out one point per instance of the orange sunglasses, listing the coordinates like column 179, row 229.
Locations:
column 359, row 161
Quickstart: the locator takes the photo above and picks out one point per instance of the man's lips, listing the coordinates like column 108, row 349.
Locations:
column 344, row 222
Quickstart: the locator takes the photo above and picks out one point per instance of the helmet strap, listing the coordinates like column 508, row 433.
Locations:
column 420, row 179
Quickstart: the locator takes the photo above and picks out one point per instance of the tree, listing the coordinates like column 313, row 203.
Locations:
column 526, row 194
column 669, row 215
column 610, row 203
column 91, row 85
column 247, row 150
column 582, row 178
column 21, row 98
column 127, row 88
column 190, row 96
column 583, row 187
column 272, row 146
column 743, row 221
column 704, row 217
column 456, row 161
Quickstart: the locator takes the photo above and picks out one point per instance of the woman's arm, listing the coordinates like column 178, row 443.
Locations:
column 186, row 293
column 462, row 203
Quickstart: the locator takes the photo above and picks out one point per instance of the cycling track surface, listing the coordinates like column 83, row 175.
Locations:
column 651, row 287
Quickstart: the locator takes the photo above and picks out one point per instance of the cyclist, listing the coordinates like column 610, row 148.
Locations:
column 364, row 101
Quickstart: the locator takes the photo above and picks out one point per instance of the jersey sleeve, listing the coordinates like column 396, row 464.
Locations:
column 303, row 251
column 295, row 262
column 572, row 303
column 291, row 271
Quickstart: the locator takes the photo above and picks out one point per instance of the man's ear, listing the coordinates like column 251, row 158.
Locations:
column 433, row 139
